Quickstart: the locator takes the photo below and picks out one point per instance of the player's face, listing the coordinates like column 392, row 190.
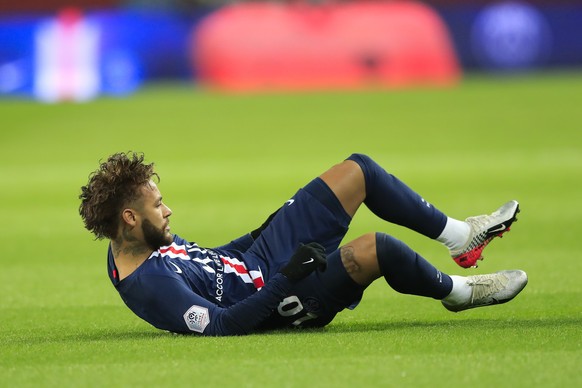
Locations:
column 154, row 237
column 155, row 218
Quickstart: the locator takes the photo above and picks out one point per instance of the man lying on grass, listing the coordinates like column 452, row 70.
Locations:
column 291, row 271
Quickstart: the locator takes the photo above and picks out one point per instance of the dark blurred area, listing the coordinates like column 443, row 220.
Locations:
column 192, row 5
column 56, row 50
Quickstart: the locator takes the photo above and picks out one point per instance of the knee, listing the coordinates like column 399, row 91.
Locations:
column 362, row 159
column 356, row 253
column 359, row 259
column 368, row 166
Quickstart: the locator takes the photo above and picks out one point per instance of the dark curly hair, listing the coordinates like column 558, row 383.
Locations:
column 112, row 186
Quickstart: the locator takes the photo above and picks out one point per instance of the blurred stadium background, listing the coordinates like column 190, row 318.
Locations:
column 147, row 73
column 55, row 50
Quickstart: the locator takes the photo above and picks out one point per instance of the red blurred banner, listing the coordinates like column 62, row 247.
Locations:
column 345, row 45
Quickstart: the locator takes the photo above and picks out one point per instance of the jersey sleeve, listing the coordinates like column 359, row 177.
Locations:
column 174, row 307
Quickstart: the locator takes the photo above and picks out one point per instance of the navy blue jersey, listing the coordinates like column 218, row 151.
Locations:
column 181, row 286
column 237, row 288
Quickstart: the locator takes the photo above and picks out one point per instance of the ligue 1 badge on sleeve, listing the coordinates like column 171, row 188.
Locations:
column 197, row 318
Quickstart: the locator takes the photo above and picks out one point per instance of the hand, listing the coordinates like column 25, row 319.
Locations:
column 306, row 259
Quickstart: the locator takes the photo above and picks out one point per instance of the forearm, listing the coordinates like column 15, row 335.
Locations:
column 249, row 313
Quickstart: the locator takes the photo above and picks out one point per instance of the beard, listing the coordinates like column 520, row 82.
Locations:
column 154, row 237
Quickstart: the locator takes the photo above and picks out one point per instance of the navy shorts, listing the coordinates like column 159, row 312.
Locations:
column 314, row 214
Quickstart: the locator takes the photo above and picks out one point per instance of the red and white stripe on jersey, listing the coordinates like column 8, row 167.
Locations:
column 175, row 251
column 231, row 265
column 239, row 268
column 195, row 248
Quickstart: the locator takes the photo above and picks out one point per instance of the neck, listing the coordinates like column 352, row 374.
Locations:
column 129, row 256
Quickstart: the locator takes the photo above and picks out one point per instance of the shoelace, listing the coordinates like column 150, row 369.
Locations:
column 477, row 223
column 486, row 285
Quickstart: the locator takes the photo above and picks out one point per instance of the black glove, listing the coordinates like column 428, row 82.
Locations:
column 257, row 232
column 306, row 259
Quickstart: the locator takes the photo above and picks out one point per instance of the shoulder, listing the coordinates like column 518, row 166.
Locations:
column 180, row 241
column 154, row 285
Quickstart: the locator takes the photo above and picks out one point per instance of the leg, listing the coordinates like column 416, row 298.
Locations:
column 360, row 260
column 373, row 255
column 361, row 180
column 346, row 180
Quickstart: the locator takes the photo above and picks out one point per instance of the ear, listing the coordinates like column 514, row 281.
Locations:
column 129, row 216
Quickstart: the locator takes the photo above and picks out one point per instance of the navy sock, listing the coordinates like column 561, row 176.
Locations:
column 407, row 272
column 393, row 201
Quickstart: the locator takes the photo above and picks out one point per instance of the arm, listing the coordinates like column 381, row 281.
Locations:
column 172, row 306
column 180, row 310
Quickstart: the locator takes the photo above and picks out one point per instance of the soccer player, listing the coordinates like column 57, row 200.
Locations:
column 291, row 271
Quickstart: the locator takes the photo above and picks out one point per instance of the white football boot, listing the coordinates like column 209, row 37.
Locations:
column 489, row 289
column 485, row 228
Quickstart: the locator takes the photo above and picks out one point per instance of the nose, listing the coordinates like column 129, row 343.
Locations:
column 168, row 211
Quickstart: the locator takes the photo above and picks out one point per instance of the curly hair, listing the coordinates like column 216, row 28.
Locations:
column 112, row 186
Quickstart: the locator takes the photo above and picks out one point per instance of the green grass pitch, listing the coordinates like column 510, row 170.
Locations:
column 227, row 161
